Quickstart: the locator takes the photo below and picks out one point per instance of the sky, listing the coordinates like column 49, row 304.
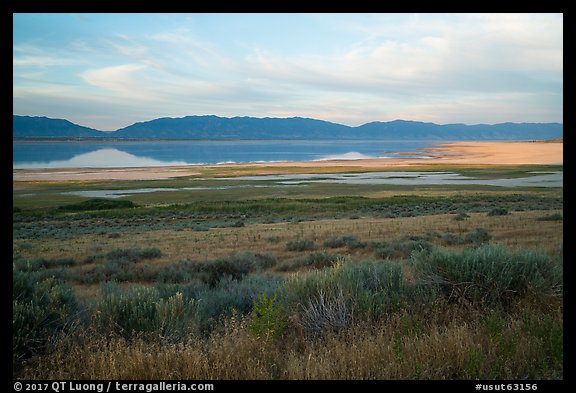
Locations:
column 107, row 71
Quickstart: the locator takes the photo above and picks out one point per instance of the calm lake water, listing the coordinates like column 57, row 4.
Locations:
column 164, row 153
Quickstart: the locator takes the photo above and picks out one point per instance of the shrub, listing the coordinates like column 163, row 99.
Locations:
column 319, row 260
column 230, row 296
column 489, row 274
column 133, row 254
column 478, row 236
column 335, row 242
column 267, row 319
column 42, row 263
column 452, row 239
column 41, row 308
column 461, row 216
column 190, row 290
column 551, row 217
column 98, row 204
column 343, row 241
column 177, row 317
column 261, row 261
column 237, row 224
column 300, row 245
column 127, row 311
column 138, row 309
column 148, row 253
column 324, row 314
column 112, row 270
column 232, row 266
column 400, row 249
column 370, row 289
column 498, row 211
column 178, row 273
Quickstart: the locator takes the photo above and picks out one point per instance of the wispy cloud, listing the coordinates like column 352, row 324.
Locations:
column 124, row 80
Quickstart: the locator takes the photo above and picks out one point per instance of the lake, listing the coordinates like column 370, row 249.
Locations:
column 166, row 153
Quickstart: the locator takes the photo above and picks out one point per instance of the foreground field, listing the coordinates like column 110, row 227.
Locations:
column 303, row 282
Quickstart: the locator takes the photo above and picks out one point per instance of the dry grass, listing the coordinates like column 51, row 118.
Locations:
column 440, row 340
column 519, row 229
column 447, row 344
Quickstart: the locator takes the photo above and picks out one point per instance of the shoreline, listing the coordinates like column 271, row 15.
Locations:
column 463, row 153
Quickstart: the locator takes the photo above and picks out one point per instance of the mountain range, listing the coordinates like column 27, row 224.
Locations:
column 294, row 128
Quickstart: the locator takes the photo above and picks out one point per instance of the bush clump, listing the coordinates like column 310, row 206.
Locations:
column 41, row 308
column 478, row 236
column 268, row 319
column 343, row 241
column 300, row 245
column 37, row 264
column 489, row 274
column 461, row 216
column 551, row 217
column 231, row 297
column 368, row 290
column 98, row 204
column 320, row 260
column 400, row 249
column 138, row 309
column 235, row 266
column 451, row 239
column 325, row 314
column 133, row 254
column 498, row 211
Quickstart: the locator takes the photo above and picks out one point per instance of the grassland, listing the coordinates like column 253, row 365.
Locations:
column 316, row 281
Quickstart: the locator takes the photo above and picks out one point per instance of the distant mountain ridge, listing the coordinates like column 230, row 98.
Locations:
column 212, row 127
column 45, row 127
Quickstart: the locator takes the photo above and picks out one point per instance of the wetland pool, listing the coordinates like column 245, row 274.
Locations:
column 406, row 178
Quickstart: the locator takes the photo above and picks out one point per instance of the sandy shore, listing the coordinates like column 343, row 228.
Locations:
column 496, row 153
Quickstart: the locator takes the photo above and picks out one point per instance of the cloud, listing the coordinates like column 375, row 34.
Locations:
column 119, row 79
column 359, row 68
column 495, row 50
column 29, row 56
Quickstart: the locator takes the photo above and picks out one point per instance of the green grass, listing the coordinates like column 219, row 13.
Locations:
column 48, row 194
column 98, row 204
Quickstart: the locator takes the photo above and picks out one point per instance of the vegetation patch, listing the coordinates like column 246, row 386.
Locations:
column 551, row 217
column 489, row 274
column 300, row 245
column 344, row 241
column 268, row 319
column 400, row 249
column 41, row 309
column 98, row 204
column 498, row 211
column 433, row 296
